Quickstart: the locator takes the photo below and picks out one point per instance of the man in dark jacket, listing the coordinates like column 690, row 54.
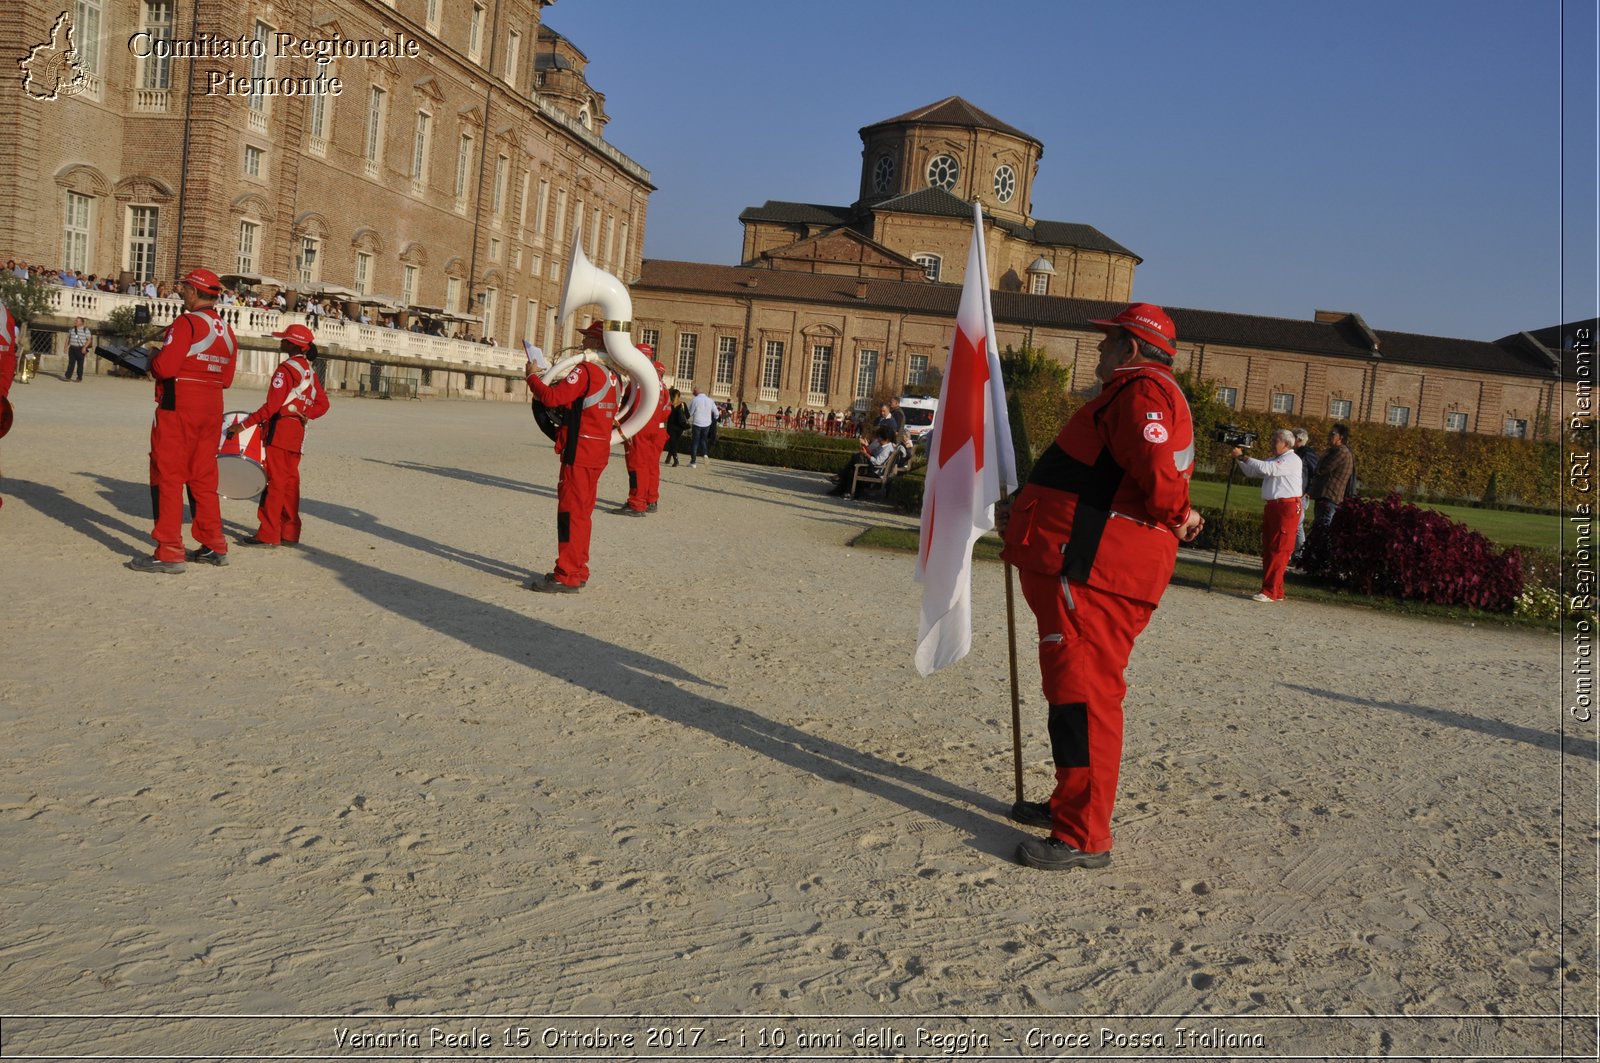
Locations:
column 1334, row 470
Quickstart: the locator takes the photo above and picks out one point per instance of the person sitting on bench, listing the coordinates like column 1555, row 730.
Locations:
column 875, row 456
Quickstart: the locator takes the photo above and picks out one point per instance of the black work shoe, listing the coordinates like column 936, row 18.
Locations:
column 150, row 564
column 207, row 556
column 251, row 540
column 629, row 511
column 1032, row 814
column 550, row 585
column 651, row 508
column 1053, row 854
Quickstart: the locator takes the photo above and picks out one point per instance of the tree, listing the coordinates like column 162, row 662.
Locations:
column 932, row 381
column 1040, row 400
column 27, row 299
column 1205, row 408
column 121, row 322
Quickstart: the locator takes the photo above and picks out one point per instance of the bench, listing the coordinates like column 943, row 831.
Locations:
column 866, row 474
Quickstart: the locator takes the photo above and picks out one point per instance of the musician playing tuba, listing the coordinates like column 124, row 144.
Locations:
column 586, row 399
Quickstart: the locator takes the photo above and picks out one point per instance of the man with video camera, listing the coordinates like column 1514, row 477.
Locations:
column 1280, row 489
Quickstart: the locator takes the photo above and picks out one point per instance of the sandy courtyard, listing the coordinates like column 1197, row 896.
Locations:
column 374, row 798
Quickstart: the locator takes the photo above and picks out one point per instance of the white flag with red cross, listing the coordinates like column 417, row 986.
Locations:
column 971, row 466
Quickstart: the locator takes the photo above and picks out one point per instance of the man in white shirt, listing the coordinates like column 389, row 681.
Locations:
column 1281, row 489
column 702, row 415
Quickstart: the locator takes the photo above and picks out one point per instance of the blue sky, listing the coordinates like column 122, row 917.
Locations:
column 1400, row 159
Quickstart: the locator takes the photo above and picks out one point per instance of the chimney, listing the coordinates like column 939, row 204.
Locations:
column 861, row 289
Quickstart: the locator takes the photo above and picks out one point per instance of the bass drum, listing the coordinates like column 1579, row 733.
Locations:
column 7, row 415
column 242, row 460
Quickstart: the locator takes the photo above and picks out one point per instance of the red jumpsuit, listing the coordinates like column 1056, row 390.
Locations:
column 643, row 456
column 194, row 365
column 294, row 384
column 589, row 396
column 8, row 350
column 1094, row 535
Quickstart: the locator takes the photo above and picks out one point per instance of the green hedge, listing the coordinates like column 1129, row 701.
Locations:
column 1239, row 534
column 806, row 451
column 1422, row 464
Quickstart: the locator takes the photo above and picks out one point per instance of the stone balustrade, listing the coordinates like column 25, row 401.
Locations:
column 344, row 338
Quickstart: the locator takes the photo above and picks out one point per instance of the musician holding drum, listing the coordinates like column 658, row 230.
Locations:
column 294, row 397
column 643, row 452
column 195, row 364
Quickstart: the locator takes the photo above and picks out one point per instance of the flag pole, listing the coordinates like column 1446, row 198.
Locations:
column 1016, row 701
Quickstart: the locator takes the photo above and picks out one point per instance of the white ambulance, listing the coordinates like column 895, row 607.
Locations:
column 919, row 413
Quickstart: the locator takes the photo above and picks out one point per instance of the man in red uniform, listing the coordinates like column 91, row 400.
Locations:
column 1095, row 535
column 194, row 365
column 643, row 451
column 8, row 363
column 587, row 401
column 294, row 397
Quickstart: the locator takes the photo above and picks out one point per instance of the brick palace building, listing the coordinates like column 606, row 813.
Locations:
column 464, row 148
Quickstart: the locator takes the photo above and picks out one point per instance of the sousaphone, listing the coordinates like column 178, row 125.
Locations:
column 586, row 283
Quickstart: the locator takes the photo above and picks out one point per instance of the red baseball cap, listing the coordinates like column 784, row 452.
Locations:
column 647, row 350
column 594, row 330
column 1146, row 321
column 203, row 281
column 298, row 335
column 661, row 370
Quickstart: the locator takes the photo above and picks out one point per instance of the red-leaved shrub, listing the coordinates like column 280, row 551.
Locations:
column 1394, row 548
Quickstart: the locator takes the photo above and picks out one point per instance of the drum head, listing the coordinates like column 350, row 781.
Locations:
column 547, row 419
column 239, row 478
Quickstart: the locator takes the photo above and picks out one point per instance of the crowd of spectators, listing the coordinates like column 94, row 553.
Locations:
column 70, row 278
column 319, row 309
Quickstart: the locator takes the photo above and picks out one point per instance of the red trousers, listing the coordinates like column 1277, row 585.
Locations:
column 183, row 454
column 643, row 457
column 1279, row 522
column 279, row 511
column 1084, row 647
column 575, row 494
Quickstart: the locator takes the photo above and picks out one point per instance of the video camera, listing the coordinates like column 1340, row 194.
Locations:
column 1231, row 435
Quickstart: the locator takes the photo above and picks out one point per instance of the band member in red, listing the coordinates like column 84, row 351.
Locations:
column 294, row 397
column 8, row 364
column 643, row 451
column 1095, row 535
column 195, row 363
column 586, row 399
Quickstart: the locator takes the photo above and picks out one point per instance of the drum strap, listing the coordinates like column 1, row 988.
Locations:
column 305, row 387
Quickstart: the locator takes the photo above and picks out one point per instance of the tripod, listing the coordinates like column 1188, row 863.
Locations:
column 1222, row 524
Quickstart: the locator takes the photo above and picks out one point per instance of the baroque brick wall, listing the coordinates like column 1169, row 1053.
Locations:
column 181, row 148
